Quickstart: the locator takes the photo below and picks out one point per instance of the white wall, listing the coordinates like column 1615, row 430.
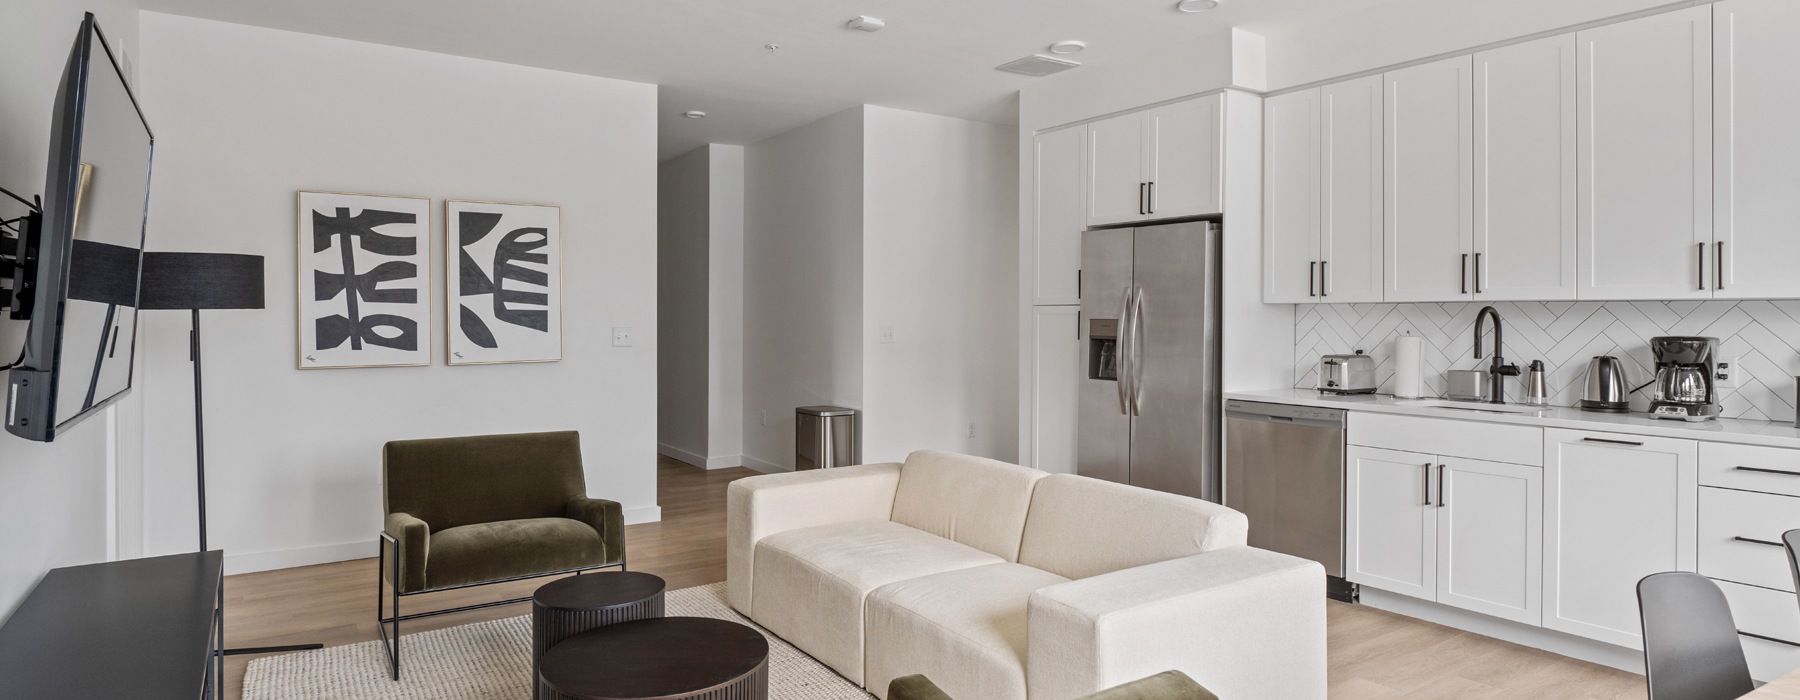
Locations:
column 683, row 234
column 725, row 308
column 700, row 310
column 54, row 504
column 941, row 268
column 803, row 280
column 1407, row 30
column 247, row 116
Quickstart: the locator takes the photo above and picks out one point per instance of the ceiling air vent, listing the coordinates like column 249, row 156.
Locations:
column 1038, row 66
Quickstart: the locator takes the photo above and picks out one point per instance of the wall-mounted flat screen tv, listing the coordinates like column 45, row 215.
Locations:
column 77, row 279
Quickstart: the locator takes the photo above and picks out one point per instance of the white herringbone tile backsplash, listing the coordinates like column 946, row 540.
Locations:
column 1760, row 338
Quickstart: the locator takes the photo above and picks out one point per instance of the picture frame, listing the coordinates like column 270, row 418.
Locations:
column 364, row 280
column 503, row 282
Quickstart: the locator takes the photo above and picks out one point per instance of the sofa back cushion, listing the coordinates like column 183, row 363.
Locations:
column 977, row 502
column 1080, row 527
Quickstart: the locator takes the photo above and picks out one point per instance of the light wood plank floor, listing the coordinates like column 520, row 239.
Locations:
column 1374, row 654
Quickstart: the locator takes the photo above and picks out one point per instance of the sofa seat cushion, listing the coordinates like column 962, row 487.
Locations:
column 964, row 629
column 508, row 548
column 811, row 583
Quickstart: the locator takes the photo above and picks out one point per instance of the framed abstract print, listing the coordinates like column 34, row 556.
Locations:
column 503, row 290
column 365, row 280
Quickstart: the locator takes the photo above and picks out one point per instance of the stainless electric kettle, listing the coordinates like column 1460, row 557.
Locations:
column 1607, row 389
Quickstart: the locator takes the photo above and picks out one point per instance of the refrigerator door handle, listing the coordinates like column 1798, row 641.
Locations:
column 1137, row 352
column 1122, row 360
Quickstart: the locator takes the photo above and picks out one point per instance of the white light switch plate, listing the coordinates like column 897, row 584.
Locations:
column 887, row 334
column 621, row 336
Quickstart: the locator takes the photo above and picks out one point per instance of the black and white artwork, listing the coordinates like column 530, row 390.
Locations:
column 504, row 291
column 365, row 280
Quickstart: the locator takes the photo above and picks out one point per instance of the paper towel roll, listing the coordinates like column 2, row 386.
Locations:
column 1408, row 350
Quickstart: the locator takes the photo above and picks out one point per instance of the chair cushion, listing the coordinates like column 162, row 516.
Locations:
column 811, row 583
column 1081, row 527
column 978, row 502
column 451, row 482
column 491, row 551
column 964, row 629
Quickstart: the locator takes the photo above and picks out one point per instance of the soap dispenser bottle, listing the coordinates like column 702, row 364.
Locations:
column 1537, row 390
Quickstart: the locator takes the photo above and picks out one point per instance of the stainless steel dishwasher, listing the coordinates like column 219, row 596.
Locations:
column 1284, row 468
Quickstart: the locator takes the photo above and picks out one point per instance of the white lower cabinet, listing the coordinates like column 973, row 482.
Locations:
column 1617, row 508
column 1462, row 532
column 1055, row 378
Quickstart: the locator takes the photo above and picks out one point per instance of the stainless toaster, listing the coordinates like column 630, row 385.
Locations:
column 1347, row 374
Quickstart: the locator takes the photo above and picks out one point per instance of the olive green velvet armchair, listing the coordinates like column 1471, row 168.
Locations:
column 470, row 511
column 1168, row 685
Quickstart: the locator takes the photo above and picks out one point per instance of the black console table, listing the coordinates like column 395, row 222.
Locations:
column 147, row 629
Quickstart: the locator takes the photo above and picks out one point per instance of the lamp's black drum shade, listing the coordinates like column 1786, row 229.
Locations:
column 103, row 273
column 202, row 281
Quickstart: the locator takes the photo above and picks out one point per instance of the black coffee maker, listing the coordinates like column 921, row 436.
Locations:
column 1685, row 368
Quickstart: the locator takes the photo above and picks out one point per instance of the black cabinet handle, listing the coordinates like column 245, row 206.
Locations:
column 1324, row 286
column 1753, row 540
column 1702, row 247
column 1141, row 198
column 1441, row 478
column 1719, row 265
column 1613, row 442
column 1427, row 483
column 1768, row 639
column 1312, row 271
column 1761, row 470
column 1465, row 273
column 1477, row 273
column 1152, row 198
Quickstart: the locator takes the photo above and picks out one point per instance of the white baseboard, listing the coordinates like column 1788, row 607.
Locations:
column 695, row 459
column 1555, row 642
column 764, row 467
column 328, row 553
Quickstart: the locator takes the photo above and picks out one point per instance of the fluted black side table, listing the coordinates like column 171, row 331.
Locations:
column 569, row 606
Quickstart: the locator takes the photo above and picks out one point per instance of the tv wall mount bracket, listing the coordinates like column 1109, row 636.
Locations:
column 19, row 239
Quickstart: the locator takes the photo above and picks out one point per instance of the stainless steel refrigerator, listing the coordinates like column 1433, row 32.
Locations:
column 1149, row 398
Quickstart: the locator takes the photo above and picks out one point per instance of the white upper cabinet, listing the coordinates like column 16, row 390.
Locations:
column 1117, row 188
column 1350, row 191
column 1429, row 171
column 1059, row 219
column 1185, row 170
column 1291, row 198
column 1644, row 90
column 1757, row 149
column 1159, row 163
column 1524, row 144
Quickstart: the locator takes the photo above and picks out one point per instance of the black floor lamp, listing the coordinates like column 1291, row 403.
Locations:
column 195, row 281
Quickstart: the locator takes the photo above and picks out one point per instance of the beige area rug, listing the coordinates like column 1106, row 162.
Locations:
column 492, row 661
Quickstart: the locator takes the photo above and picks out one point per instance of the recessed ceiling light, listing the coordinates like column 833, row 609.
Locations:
column 1196, row 5
column 1068, row 47
column 693, row 114
column 867, row 24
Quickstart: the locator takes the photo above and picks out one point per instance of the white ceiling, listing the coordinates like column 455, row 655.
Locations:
column 935, row 56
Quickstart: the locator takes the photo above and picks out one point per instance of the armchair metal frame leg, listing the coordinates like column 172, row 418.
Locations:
column 390, row 573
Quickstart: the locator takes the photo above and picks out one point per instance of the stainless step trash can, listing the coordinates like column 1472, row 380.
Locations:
column 827, row 436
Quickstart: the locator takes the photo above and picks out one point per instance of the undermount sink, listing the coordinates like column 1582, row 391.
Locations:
column 1477, row 406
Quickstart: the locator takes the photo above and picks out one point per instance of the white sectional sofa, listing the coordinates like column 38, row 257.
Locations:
column 1001, row 582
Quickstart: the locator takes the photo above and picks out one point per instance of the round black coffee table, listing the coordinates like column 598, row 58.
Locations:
column 569, row 606
column 670, row 658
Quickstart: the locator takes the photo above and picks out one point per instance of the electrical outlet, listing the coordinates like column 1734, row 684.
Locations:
column 1725, row 375
column 621, row 336
column 971, row 428
column 765, row 416
column 887, row 334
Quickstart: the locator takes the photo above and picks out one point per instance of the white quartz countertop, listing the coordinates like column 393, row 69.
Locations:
column 1747, row 432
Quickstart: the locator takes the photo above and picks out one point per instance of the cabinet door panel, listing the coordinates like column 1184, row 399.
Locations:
column 1617, row 508
column 1350, row 191
column 1525, row 171
column 1059, row 218
column 1490, row 539
column 1429, row 168
column 1645, row 132
column 1116, row 170
column 1390, row 539
column 1291, row 198
column 1055, row 381
column 1756, row 147
column 1185, row 165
